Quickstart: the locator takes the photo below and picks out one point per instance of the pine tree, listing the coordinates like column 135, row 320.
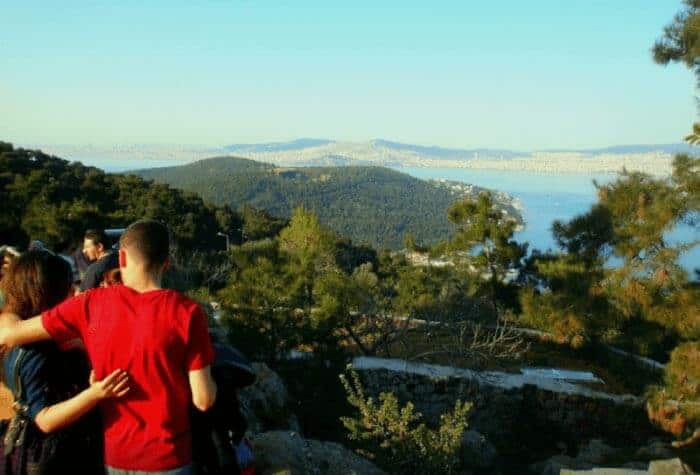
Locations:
column 484, row 240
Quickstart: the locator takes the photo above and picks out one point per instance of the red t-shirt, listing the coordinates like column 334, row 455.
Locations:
column 157, row 337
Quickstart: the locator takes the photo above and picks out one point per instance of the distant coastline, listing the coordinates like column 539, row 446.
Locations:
column 654, row 160
column 653, row 164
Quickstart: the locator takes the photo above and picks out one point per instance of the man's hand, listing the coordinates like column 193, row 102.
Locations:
column 113, row 386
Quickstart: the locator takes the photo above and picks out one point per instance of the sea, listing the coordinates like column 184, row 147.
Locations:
column 546, row 197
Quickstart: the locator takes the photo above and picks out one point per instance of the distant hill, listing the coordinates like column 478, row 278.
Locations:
column 654, row 159
column 446, row 153
column 670, row 148
column 317, row 152
column 371, row 205
column 298, row 144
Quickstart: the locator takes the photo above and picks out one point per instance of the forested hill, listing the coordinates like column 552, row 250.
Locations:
column 48, row 198
column 373, row 205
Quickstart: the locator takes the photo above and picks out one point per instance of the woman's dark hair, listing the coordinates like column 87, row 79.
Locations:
column 111, row 277
column 36, row 281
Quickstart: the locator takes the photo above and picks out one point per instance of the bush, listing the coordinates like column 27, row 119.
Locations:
column 676, row 406
column 395, row 439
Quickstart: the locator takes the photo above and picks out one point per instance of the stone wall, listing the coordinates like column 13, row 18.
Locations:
column 525, row 421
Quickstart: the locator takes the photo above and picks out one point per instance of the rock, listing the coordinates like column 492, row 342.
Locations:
column 657, row 467
column 656, row 450
column 604, row 471
column 644, row 466
column 555, row 465
column 476, row 451
column 596, row 452
column 265, row 404
column 287, row 453
column 669, row 467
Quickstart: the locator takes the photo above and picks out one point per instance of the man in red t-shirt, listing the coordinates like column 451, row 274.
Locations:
column 158, row 336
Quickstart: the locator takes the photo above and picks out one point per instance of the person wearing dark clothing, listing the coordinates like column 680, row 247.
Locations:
column 96, row 250
column 49, row 377
column 81, row 264
column 96, row 271
column 56, row 392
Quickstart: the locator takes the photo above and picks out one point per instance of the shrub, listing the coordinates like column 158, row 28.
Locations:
column 676, row 406
column 394, row 438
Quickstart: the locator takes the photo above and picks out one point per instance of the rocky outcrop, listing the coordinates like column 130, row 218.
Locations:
column 265, row 404
column 274, row 433
column 656, row 467
column 477, row 453
column 287, row 453
column 669, row 467
column 596, row 454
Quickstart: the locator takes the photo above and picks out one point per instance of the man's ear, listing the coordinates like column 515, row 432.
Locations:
column 100, row 248
column 122, row 258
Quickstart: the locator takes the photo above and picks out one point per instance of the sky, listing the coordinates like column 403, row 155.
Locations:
column 509, row 74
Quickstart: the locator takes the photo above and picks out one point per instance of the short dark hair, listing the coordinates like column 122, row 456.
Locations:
column 97, row 236
column 150, row 240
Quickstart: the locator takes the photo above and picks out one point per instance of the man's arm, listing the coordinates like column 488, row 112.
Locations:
column 203, row 388
column 16, row 332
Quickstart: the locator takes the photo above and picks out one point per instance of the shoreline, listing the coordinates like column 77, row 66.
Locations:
column 657, row 163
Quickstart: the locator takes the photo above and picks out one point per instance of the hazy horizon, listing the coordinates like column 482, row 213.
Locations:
column 213, row 145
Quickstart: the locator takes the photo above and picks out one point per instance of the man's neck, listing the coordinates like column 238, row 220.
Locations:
column 143, row 284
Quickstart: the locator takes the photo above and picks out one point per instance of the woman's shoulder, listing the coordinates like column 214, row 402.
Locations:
column 30, row 355
column 44, row 363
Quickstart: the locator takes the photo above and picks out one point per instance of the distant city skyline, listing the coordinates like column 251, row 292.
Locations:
column 509, row 75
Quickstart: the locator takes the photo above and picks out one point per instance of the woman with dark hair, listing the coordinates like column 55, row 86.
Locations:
column 56, row 398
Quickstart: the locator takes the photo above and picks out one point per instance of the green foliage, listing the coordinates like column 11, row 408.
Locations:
column 371, row 205
column 646, row 302
column 676, row 405
column 262, row 306
column 259, row 224
column 394, row 437
column 587, row 236
column 485, row 234
column 569, row 300
column 681, row 39
column 434, row 294
column 662, row 293
column 48, row 198
column 291, row 292
column 683, row 373
column 650, row 284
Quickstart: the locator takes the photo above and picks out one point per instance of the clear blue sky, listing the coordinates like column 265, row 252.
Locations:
column 510, row 73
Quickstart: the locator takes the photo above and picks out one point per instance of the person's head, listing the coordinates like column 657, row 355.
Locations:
column 36, row 281
column 95, row 244
column 111, row 277
column 143, row 250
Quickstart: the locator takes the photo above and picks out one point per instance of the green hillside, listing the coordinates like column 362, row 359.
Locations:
column 48, row 198
column 373, row 205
